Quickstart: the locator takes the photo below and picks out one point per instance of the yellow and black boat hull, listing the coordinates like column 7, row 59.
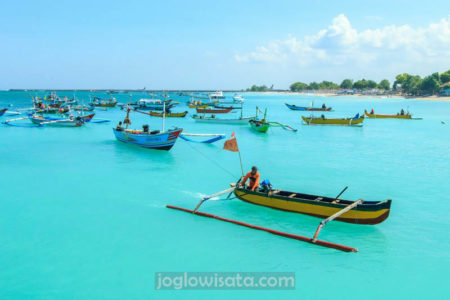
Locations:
column 369, row 212
column 374, row 116
column 342, row 122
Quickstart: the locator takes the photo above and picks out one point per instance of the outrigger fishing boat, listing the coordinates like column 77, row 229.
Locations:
column 213, row 111
column 162, row 114
column 329, row 208
column 238, row 99
column 213, row 120
column 305, row 108
column 355, row 121
column 82, row 108
column 215, row 105
column 154, row 104
column 168, row 115
column 98, row 102
column 262, row 125
column 397, row 116
column 216, row 95
column 69, row 122
column 156, row 139
column 51, row 110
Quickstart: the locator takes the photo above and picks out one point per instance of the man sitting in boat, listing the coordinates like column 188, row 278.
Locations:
column 372, row 112
column 254, row 179
column 402, row 112
column 119, row 126
column 324, row 106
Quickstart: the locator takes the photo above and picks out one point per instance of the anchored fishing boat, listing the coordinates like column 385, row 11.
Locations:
column 217, row 95
column 355, row 121
column 82, row 108
column 238, row 99
column 51, row 110
column 397, row 116
column 162, row 114
column 69, row 122
column 213, row 111
column 215, row 105
column 156, row 139
column 213, row 120
column 169, row 115
column 260, row 125
column 154, row 104
column 98, row 102
column 305, row 108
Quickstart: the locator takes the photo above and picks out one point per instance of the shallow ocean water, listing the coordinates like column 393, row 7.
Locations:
column 83, row 215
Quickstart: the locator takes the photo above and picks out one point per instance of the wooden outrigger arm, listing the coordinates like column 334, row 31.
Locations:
column 212, row 196
column 331, row 218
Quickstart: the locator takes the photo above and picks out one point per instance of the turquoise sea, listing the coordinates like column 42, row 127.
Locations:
column 83, row 215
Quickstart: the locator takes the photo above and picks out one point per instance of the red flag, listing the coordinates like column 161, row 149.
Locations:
column 231, row 144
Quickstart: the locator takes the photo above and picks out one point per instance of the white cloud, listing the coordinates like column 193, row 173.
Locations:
column 342, row 45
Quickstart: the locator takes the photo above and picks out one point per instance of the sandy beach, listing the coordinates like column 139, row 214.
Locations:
column 331, row 94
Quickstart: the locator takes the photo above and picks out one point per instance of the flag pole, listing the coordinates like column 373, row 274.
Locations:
column 240, row 158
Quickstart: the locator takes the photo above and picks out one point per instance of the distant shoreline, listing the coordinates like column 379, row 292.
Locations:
column 322, row 94
column 279, row 92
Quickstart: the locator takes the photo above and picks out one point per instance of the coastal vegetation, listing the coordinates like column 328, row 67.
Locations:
column 405, row 83
column 261, row 88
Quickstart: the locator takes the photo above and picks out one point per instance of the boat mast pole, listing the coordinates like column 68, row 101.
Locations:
column 164, row 114
column 240, row 159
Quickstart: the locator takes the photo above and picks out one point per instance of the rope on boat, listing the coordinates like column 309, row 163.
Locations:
column 212, row 161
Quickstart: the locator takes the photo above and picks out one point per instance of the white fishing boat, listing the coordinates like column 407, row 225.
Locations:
column 238, row 99
column 69, row 122
column 217, row 95
column 153, row 104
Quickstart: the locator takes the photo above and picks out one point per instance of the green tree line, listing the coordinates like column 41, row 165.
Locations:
column 405, row 83
column 255, row 88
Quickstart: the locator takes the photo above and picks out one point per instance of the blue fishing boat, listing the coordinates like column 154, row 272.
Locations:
column 304, row 108
column 149, row 139
column 156, row 139
column 2, row 111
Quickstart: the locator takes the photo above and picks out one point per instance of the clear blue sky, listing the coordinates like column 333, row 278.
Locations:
column 215, row 44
